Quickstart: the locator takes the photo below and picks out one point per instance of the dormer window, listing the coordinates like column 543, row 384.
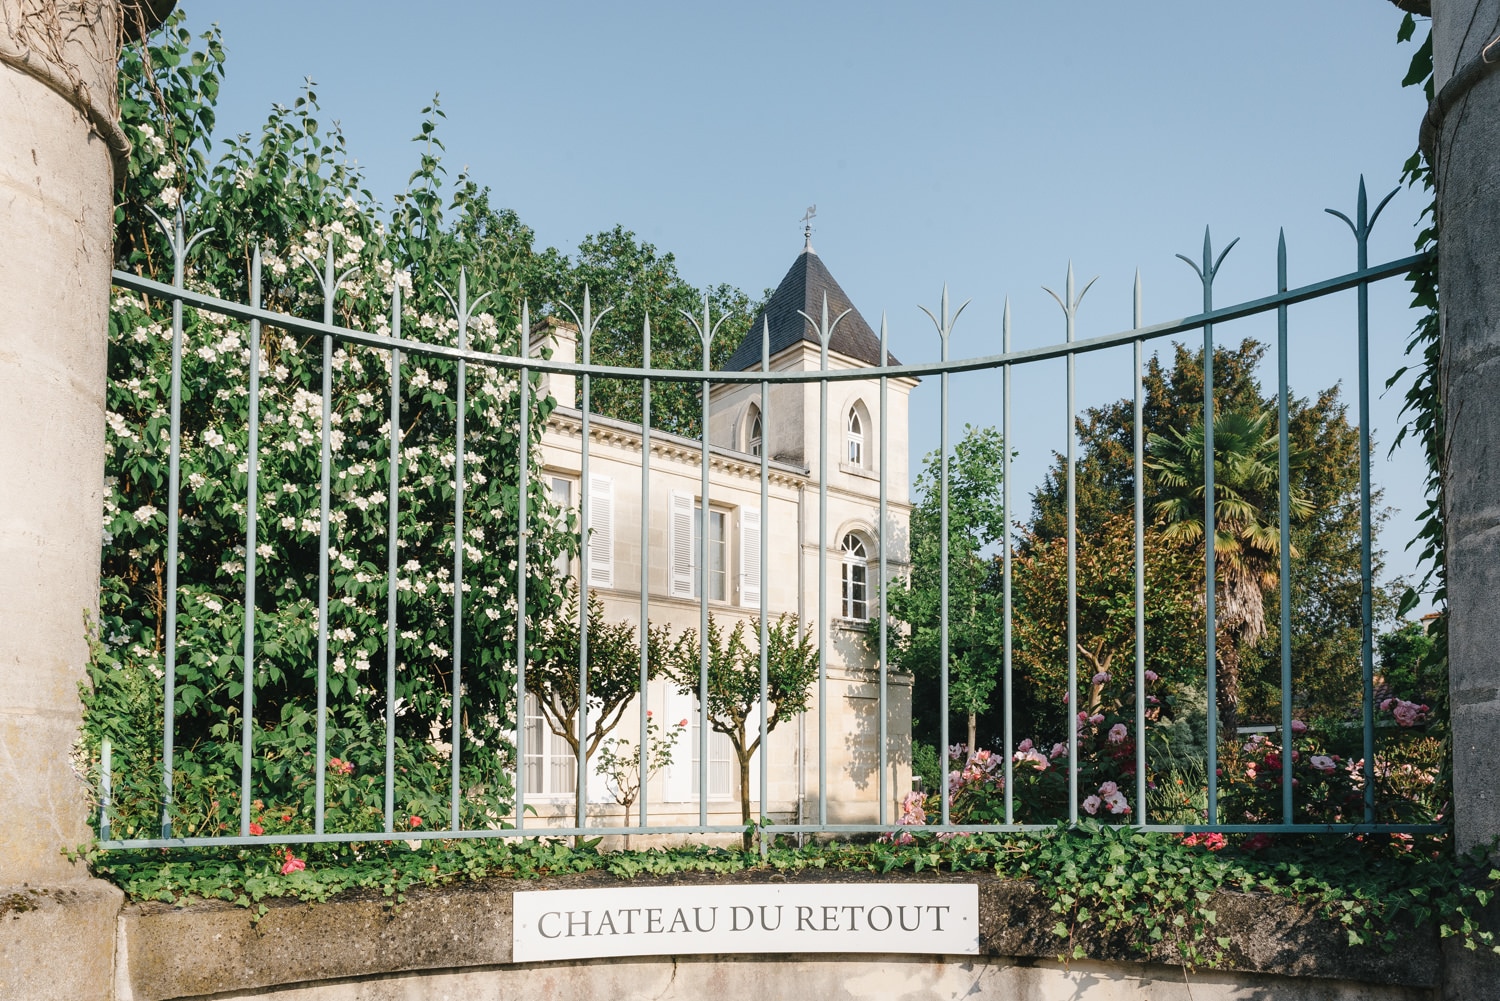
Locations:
column 855, row 438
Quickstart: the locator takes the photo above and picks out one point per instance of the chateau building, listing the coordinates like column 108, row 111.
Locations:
column 670, row 500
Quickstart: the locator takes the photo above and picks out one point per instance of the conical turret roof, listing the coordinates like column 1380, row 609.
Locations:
column 803, row 289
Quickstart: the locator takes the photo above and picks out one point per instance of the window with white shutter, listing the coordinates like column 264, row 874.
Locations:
column 601, row 531
column 686, row 542
column 750, row 557
column 681, row 544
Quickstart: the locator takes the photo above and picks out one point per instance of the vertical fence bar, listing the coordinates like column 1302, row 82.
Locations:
column 944, row 327
column 1210, row 572
column 460, row 429
column 392, row 548
column 704, row 584
column 1366, row 595
column 824, row 334
column 523, row 539
column 586, row 509
column 1284, row 528
column 1138, row 435
column 943, row 752
column 1070, row 303
column 1206, row 275
column 324, row 493
column 106, row 786
column 643, row 765
column 1005, row 595
column 763, row 584
column 1073, row 701
column 1366, row 613
column 252, row 464
column 174, row 479
column 882, row 538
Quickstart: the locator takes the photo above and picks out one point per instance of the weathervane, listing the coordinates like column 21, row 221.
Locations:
column 807, row 218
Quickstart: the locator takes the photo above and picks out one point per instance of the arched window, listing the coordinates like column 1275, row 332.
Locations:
column 854, row 429
column 854, row 576
column 754, row 431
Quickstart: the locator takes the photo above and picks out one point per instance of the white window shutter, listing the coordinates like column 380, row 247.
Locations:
column 681, row 569
column 750, row 557
column 679, row 781
column 601, row 531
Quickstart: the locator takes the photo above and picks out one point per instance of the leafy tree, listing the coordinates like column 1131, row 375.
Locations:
column 1105, row 573
column 291, row 194
column 734, row 683
column 1172, row 398
column 635, row 281
column 1325, row 581
column 1247, row 539
column 614, row 673
column 1408, row 661
column 976, row 519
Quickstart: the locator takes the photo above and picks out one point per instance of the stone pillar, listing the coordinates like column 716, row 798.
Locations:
column 1463, row 132
column 58, row 139
column 1468, row 199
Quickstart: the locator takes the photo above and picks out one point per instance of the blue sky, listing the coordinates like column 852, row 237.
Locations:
column 981, row 145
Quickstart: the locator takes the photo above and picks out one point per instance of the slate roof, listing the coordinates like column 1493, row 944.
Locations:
column 802, row 289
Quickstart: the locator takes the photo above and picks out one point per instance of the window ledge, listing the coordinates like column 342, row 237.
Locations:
column 860, row 471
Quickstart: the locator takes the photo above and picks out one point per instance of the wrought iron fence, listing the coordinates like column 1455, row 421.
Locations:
column 525, row 366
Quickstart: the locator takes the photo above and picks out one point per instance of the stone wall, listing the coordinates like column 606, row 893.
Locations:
column 456, row 943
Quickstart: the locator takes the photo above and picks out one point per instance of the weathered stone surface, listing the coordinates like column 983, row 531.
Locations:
column 1468, row 203
column 57, row 137
column 841, row 978
column 57, row 942
column 465, row 931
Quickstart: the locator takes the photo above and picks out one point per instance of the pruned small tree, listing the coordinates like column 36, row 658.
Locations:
column 734, row 664
column 613, row 673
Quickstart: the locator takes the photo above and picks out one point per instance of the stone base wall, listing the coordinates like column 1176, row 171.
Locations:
column 455, row 943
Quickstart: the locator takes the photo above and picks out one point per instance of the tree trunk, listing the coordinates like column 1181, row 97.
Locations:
column 1229, row 682
column 973, row 732
column 744, row 757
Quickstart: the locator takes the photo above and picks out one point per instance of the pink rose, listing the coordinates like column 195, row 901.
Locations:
column 1108, row 788
column 1101, row 678
column 1091, row 805
column 292, row 864
column 1117, row 733
column 1298, row 726
column 1096, row 719
column 1059, row 749
column 1025, row 745
column 1152, row 677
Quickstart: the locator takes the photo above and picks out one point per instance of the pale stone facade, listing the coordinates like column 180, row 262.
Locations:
column 849, row 551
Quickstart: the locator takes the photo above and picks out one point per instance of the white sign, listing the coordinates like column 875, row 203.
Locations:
column 928, row 918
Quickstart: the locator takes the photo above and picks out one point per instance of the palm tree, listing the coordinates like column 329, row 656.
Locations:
column 1247, row 540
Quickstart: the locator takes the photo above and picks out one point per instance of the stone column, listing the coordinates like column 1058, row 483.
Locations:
column 58, row 140
column 1463, row 132
column 1468, row 199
